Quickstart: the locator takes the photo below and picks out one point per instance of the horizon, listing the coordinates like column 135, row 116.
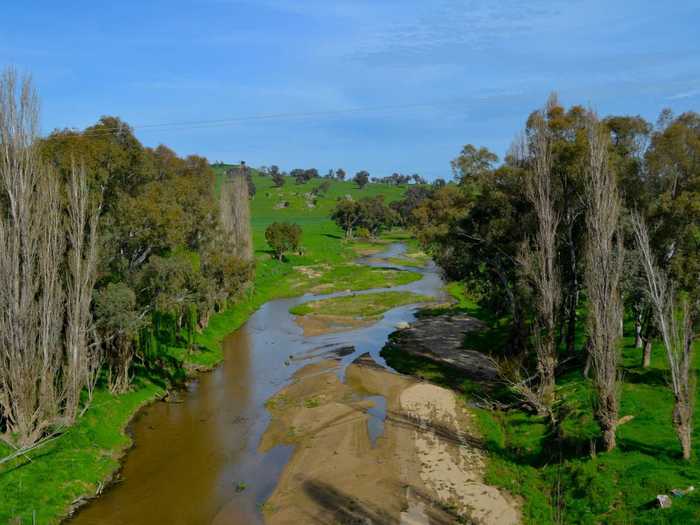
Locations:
column 354, row 84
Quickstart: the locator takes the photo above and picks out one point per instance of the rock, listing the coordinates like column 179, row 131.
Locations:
column 402, row 325
column 663, row 501
column 440, row 338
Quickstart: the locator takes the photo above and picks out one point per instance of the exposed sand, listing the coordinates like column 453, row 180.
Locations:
column 421, row 471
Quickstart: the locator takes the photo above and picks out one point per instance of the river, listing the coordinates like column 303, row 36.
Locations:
column 195, row 459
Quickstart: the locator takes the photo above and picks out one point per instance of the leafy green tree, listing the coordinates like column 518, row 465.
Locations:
column 375, row 215
column 118, row 321
column 283, row 237
column 278, row 179
column 361, row 178
column 340, row 174
column 347, row 214
column 473, row 162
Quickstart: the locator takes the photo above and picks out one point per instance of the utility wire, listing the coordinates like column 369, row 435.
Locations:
column 198, row 124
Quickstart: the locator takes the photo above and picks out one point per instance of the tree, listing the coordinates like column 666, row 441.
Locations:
column 118, row 321
column 235, row 213
column 473, row 162
column 278, row 179
column 347, row 214
column 604, row 258
column 361, row 178
column 283, row 237
column 375, row 215
column 538, row 260
column 413, row 197
column 673, row 318
column 322, row 188
column 340, row 174
column 43, row 367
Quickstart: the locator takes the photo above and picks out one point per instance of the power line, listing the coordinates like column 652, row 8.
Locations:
column 199, row 124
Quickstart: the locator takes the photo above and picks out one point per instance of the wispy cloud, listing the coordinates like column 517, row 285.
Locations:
column 685, row 94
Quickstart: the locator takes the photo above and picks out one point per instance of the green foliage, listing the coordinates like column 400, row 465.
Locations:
column 75, row 464
column 552, row 469
column 361, row 178
column 360, row 305
column 370, row 214
column 283, row 237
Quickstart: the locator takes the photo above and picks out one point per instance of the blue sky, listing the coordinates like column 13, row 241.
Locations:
column 425, row 77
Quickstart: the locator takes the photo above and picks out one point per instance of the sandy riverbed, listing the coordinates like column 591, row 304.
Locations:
column 424, row 468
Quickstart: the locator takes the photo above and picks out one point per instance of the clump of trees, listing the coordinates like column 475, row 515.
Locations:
column 302, row 176
column 370, row 214
column 398, row 179
column 584, row 221
column 283, row 237
column 108, row 251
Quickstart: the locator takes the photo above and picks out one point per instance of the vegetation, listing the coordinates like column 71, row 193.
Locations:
column 283, row 237
column 369, row 215
column 585, row 224
column 359, row 305
column 170, row 283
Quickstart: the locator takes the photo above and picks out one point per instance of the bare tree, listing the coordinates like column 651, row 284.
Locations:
column 538, row 261
column 674, row 323
column 31, row 295
column 40, row 382
column 235, row 212
column 83, row 217
column 604, row 258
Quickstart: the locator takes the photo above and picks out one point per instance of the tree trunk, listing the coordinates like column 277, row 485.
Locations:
column 638, row 329
column 571, row 324
column 646, row 353
column 609, row 439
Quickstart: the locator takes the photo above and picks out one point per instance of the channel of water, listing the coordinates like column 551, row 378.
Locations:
column 195, row 459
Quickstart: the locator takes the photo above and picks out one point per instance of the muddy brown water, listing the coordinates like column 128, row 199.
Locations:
column 195, row 459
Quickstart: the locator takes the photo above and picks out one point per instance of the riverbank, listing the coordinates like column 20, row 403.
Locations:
column 65, row 473
column 552, row 470
column 412, row 458
column 46, row 484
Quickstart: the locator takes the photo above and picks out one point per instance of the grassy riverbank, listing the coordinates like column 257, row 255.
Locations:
column 555, row 474
column 43, row 485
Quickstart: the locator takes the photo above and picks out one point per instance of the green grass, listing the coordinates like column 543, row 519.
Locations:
column 49, row 479
column 555, row 475
column 361, row 306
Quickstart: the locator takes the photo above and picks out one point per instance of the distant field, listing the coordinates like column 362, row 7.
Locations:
column 314, row 221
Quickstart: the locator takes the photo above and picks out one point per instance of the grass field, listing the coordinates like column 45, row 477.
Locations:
column 558, row 479
column 42, row 485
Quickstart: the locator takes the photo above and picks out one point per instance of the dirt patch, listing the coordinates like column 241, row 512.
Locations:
column 424, row 467
column 312, row 272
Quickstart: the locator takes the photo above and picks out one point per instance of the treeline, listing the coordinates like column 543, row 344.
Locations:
column 364, row 218
column 361, row 178
column 110, row 251
column 584, row 223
